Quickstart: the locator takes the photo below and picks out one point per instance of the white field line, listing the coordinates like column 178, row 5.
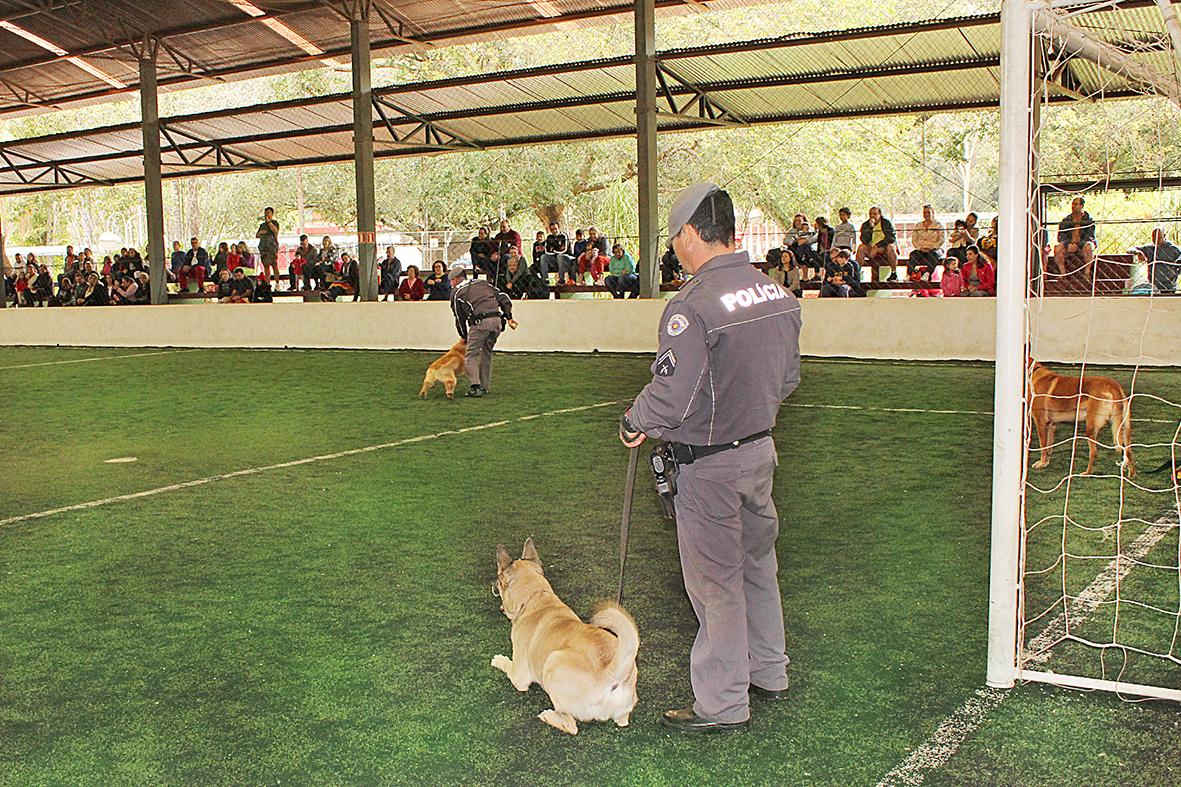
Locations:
column 938, row 749
column 934, row 412
column 293, row 463
column 102, row 358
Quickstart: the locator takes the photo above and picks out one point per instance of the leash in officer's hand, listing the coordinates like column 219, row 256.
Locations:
column 627, row 515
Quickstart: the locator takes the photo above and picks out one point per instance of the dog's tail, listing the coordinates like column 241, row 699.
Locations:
column 1123, row 439
column 612, row 617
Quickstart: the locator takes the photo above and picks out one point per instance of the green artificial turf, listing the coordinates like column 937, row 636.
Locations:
column 332, row 623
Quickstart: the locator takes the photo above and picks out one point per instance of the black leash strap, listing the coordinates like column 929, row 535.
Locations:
column 627, row 517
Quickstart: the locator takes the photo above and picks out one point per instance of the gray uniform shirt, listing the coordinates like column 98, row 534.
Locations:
column 474, row 297
column 729, row 355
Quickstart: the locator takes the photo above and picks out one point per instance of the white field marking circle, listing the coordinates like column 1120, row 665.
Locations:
column 937, row 749
column 293, row 463
column 120, row 460
column 102, row 358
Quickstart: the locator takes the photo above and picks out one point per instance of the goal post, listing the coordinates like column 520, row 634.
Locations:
column 1085, row 569
column 1008, row 463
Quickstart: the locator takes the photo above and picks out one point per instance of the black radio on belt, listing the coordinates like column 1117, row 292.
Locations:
column 664, row 472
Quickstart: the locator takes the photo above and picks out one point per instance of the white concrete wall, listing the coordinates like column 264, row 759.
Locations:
column 1116, row 330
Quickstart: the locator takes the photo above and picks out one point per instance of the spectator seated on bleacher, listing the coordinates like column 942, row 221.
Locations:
column 877, row 244
column 224, row 287
column 960, row 238
column 824, row 237
column 538, row 251
column 842, row 277
column 952, row 283
column 782, row 269
column 927, row 239
column 799, row 241
column 245, row 260
column 389, row 275
column 1162, row 258
column 411, row 288
column 241, row 287
column 94, row 292
column 483, row 252
column 345, row 281
column 988, row 244
column 578, row 247
column 505, row 240
column 1076, row 241
column 41, row 288
column 221, row 261
column 517, row 281
column 305, row 264
column 979, row 277
column 262, row 290
column 622, row 276
column 670, row 268
column 592, row 261
column 557, row 256
column 143, row 293
column 123, row 293
column 189, row 266
column 438, row 284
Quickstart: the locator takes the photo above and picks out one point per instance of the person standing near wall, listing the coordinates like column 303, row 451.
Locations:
column 268, row 246
column 728, row 357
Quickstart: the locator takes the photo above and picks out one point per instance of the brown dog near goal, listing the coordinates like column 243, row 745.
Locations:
column 1096, row 401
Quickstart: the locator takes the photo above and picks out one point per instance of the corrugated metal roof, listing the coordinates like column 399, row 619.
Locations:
column 927, row 67
column 213, row 39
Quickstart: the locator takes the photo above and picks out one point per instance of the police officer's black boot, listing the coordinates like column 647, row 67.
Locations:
column 475, row 393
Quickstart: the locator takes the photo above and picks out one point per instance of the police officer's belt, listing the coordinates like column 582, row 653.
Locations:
column 475, row 318
column 687, row 454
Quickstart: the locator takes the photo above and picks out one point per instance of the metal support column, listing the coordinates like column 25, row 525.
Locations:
column 648, row 253
column 363, row 151
column 3, row 268
column 153, row 181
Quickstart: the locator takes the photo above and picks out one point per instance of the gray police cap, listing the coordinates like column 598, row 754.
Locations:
column 457, row 270
column 686, row 204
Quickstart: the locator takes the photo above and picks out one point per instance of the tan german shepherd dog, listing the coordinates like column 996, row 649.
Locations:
column 1095, row 400
column 445, row 370
column 588, row 671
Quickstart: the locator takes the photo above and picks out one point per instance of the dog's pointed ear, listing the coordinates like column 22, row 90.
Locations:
column 530, row 552
column 503, row 561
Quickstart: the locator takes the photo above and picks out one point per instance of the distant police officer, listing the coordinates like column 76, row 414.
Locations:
column 728, row 357
column 481, row 312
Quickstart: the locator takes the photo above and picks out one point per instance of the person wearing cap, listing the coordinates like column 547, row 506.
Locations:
column 728, row 357
column 481, row 312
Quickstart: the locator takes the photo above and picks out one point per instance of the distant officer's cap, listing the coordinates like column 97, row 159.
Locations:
column 686, row 204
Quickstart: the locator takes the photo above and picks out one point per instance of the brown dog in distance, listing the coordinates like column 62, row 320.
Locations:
column 1094, row 400
column 588, row 671
column 445, row 370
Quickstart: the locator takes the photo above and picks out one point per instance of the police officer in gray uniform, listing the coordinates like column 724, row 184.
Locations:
column 481, row 312
column 728, row 357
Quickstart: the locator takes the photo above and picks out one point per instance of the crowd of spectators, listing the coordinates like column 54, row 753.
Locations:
column 833, row 256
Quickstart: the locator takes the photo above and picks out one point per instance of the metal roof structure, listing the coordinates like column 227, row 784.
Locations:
column 928, row 67
column 60, row 53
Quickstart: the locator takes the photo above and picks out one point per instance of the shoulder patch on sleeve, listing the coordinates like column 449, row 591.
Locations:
column 666, row 364
column 676, row 325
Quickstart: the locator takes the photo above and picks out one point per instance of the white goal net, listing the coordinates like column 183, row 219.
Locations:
column 1097, row 569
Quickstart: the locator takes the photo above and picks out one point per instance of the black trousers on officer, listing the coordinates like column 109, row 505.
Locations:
column 726, row 531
